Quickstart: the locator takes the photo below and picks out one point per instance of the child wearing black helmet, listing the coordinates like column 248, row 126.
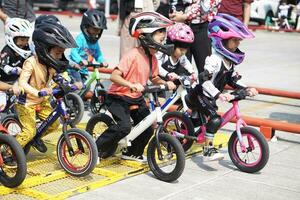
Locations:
column 50, row 41
column 92, row 24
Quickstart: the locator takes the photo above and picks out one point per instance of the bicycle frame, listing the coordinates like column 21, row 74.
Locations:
column 95, row 75
column 155, row 115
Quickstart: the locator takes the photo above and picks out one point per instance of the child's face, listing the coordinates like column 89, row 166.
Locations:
column 178, row 52
column 158, row 36
column 232, row 44
column 93, row 31
column 22, row 42
column 57, row 52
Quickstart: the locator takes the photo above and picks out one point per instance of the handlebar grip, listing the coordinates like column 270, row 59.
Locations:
column 42, row 93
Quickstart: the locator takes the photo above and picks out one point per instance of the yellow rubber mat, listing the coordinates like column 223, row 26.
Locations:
column 46, row 180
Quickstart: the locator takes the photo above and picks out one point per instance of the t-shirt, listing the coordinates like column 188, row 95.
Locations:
column 233, row 7
column 33, row 78
column 19, row 8
column 135, row 68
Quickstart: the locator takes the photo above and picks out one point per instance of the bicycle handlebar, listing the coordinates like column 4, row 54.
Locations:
column 155, row 88
column 56, row 91
column 239, row 94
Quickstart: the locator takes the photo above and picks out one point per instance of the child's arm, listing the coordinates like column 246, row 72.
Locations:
column 117, row 78
column 188, row 66
column 6, row 64
column 75, row 52
column 24, row 79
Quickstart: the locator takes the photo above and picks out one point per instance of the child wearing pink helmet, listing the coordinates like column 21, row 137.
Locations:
column 170, row 67
column 225, row 33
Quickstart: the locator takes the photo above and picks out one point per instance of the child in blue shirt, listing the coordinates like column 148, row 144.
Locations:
column 92, row 24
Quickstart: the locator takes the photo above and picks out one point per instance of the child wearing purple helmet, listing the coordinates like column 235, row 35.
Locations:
column 225, row 33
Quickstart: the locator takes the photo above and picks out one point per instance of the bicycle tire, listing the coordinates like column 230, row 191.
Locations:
column 186, row 123
column 242, row 164
column 90, row 128
column 81, row 137
column 96, row 105
column 173, row 146
column 76, row 108
column 8, row 120
column 20, row 159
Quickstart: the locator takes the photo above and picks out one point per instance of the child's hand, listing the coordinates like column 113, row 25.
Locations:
column 85, row 62
column 252, row 92
column 194, row 77
column 17, row 90
column 47, row 90
column 226, row 97
column 172, row 76
column 105, row 64
column 171, row 85
column 79, row 85
column 19, row 70
column 136, row 87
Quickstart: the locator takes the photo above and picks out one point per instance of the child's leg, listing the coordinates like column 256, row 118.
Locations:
column 27, row 117
column 46, row 109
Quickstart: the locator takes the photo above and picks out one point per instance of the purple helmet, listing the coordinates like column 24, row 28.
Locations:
column 224, row 27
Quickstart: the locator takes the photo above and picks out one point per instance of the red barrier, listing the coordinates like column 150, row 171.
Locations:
column 102, row 70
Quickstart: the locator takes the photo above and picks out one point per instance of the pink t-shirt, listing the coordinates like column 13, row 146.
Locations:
column 135, row 68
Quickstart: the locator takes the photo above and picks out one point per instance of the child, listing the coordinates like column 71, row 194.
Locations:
column 129, row 78
column 225, row 32
column 17, row 33
column 92, row 24
column 170, row 67
column 50, row 41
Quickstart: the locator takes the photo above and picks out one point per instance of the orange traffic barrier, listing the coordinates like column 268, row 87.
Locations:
column 274, row 92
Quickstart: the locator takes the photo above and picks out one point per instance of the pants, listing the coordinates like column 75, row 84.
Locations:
column 27, row 116
column 121, row 113
column 201, row 47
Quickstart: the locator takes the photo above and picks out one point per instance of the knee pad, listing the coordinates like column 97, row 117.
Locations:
column 213, row 124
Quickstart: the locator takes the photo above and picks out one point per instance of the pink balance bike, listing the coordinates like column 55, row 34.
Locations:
column 247, row 147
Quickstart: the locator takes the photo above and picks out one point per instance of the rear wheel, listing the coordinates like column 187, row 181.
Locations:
column 96, row 126
column 12, row 125
column 177, row 121
column 75, row 107
column 13, row 166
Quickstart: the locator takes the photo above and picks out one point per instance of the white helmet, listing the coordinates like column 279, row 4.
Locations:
column 16, row 27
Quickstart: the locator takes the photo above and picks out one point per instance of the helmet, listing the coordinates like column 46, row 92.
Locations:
column 224, row 27
column 46, row 19
column 93, row 18
column 143, row 25
column 181, row 35
column 16, row 27
column 48, row 35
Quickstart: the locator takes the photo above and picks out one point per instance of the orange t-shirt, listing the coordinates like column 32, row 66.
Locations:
column 135, row 68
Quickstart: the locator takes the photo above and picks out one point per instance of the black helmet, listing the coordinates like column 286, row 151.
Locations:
column 46, row 19
column 48, row 35
column 93, row 18
column 143, row 25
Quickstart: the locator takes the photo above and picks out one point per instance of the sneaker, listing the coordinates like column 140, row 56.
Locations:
column 140, row 159
column 211, row 154
column 39, row 145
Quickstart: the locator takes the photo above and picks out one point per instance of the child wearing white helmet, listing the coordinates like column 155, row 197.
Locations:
column 17, row 34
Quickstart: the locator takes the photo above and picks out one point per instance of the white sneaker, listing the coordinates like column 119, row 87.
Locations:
column 140, row 159
column 211, row 154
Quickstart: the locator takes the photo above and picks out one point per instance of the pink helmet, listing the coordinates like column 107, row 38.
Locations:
column 180, row 34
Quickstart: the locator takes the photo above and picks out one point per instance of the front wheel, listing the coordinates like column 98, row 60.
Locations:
column 256, row 155
column 82, row 160
column 13, row 168
column 170, row 167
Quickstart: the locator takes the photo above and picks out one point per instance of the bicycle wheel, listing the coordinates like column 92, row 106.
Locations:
column 177, row 121
column 97, row 104
column 96, row 126
column 257, row 150
column 83, row 159
column 13, row 168
column 12, row 124
column 75, row 107
column 171, row 166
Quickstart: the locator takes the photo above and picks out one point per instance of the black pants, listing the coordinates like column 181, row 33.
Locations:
column 201, row 48
column 121, row 113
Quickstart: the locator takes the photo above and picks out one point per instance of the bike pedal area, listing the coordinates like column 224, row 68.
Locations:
column 46, row 179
